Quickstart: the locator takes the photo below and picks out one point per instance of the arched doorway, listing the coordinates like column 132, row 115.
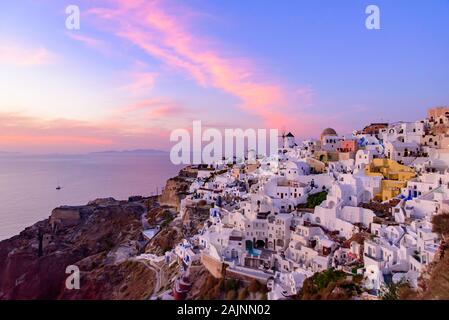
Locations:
column 249, row 245
column 260, row 244
column 280, row 243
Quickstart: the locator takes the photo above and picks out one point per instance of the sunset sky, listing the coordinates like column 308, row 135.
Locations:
column 138, row 69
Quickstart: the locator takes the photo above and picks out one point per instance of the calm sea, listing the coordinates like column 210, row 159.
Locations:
column 28, row 183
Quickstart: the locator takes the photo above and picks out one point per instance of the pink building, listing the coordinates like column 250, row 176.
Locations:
column 348, row 146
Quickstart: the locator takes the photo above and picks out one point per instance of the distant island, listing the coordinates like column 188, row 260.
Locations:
column 107, row 152
column 136, row 151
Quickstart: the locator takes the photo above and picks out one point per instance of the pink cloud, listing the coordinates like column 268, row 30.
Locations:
column 150, row 27
column 24, row 133
column 153, row 30
column 50, row 140
column 155, row 107
column 90, row 42
column 15, row 55
column 164, row 114
column 141, row 82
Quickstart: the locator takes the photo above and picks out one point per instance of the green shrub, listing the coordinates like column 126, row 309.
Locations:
column 254, row 286
column 329, row 284
column 316, row 199
column 441, row 224
column 232, row 284
column 323, row 279
column 391, row 291
column 243, row 294
column 231, row 295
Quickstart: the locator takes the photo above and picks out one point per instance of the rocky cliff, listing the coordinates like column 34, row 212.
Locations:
column 98, row 238
column 102, row 239
column 176, row 188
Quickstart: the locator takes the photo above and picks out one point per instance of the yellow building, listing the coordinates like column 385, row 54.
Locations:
column 394, row 177
column 317, row 166
column 331, row 156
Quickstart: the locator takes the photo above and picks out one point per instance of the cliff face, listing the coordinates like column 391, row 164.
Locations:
column 98, row 238
column 436, row 286
column 102, row 239
column 176, row 188
column 174, row 191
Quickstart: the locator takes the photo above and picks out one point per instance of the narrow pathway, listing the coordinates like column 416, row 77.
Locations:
column 158, row 272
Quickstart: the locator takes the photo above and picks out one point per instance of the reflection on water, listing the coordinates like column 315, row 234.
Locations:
column 28, row 183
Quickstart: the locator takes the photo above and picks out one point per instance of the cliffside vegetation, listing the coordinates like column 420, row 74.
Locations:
column 394, row 291
column 437, row 285
column 315, row 199
column 434, row 284
column 211, row 288
column 330, row 285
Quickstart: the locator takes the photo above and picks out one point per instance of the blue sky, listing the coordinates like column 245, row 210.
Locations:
column 128, row 78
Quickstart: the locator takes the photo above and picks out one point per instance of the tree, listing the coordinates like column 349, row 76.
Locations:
column 231, row 295
column 316, row 199
column 254, row 286
column 232, row 284
column 323, row 279
column 329, row 284
column 243, row 294
column 392, row 291
column 440, row 224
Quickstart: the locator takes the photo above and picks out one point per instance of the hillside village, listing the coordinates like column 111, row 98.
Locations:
column 357, row 216
column 360, row 203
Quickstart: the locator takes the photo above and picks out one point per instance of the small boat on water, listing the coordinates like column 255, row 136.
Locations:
column 58, row 188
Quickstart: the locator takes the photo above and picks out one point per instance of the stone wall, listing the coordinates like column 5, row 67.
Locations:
column 213, row 266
